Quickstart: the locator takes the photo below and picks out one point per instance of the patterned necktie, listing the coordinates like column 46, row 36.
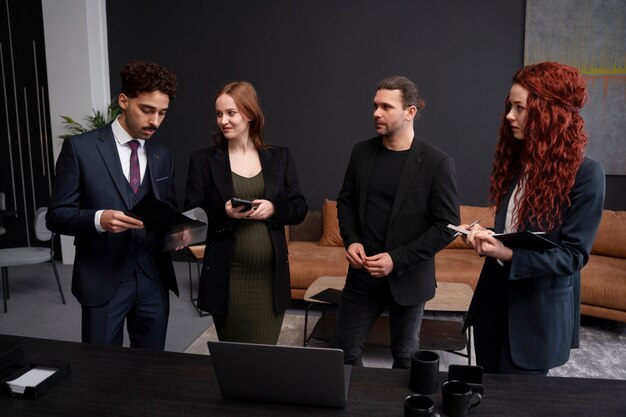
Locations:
column 135, row 174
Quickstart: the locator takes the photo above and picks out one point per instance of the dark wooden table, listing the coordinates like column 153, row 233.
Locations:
column 110, row 381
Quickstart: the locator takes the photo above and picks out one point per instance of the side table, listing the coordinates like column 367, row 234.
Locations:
column 450, row 297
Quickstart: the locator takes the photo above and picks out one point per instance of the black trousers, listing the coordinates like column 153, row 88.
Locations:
column 491, row 339
column 140, row 301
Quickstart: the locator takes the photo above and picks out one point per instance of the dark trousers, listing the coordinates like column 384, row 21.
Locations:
column 491, row 341
column 355, row 319
column 140, row 301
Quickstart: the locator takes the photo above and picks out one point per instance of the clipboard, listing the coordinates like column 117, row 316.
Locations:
column 159, row 216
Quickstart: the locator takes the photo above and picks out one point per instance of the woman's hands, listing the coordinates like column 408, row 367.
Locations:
column 484, row 243
column 261, row 210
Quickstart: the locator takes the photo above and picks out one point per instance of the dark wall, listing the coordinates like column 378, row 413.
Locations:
column 316, row 66
column 26, row 158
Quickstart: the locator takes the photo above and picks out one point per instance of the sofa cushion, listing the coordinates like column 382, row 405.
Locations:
column 458, row 265
column 330, row 233
column 309, row 260
column 603, row 282
column 468, row 215
column 611, row 237
column 309, row 230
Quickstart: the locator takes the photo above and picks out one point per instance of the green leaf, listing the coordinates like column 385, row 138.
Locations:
column 95, row 121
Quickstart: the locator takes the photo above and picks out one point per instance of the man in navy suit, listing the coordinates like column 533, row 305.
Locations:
column 398, row 196
column 120, row 271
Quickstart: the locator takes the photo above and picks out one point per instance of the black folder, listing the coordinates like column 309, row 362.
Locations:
column 160, row 216
column 526, row 240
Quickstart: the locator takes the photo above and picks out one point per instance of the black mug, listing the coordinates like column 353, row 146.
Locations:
column 424, row 372
column 457, row 398
column 416, row 405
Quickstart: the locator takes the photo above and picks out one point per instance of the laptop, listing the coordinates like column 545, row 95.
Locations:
column 281, row 374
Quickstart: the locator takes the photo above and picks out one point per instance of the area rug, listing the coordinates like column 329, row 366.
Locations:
column 291, row 334
column 602, row 353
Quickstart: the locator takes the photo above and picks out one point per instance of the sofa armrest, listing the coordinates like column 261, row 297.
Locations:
column 611, row 237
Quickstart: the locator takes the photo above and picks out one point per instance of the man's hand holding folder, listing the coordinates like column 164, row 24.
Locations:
column 179, row 229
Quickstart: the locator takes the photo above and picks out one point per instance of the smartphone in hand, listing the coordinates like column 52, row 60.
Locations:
column 247, row 204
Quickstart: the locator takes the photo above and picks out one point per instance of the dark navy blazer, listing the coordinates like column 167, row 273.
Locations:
column 543, row 286
column 89, row 177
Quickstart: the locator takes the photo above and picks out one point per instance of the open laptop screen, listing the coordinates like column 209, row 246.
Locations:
column 282, row 374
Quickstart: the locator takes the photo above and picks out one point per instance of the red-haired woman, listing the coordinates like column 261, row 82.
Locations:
column 245, row 278
column 526, row 307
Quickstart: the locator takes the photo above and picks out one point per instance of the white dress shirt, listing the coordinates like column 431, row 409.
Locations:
column 123, row 151
column 512, row 208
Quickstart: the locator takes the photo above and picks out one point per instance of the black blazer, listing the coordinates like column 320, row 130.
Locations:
column 543, row 287
column 210, row 185
column 89, row 178
column 425, row 203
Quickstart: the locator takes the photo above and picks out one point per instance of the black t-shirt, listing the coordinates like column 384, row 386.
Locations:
column 381, row 191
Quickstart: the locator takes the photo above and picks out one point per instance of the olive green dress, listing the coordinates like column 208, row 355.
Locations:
column 251, row 317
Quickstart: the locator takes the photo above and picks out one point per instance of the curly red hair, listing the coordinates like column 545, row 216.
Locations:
column 553, row 147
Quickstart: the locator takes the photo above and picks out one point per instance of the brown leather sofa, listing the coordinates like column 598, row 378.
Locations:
column 316, row 249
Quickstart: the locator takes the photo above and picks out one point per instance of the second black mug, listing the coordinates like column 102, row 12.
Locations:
column 458, row 398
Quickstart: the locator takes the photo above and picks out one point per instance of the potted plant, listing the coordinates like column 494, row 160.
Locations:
column 95, row 121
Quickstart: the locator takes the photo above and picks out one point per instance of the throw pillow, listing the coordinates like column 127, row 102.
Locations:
column 330, row 232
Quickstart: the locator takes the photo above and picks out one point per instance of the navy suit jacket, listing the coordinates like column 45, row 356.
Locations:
column 425, row 203
column 89, row 177
column 210, row 185
column 543, row 286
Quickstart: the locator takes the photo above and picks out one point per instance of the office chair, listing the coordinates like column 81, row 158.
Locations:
column 12, row 257
column 3, row 207
column 196, row 253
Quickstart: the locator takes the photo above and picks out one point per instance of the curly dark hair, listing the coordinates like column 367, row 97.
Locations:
column 145, row 77
column 553, row 148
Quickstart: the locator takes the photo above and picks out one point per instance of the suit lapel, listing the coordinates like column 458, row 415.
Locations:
column 368, row 162
column 411, row 166
column 500, row 219
column 219, row 164
column 153, row 169
column 270, row 173
column 108, row 151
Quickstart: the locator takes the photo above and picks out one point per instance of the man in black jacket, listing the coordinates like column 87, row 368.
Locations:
column 398, row 196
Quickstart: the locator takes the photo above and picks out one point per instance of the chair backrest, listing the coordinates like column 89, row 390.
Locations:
column 41, row 231
column 3, row 202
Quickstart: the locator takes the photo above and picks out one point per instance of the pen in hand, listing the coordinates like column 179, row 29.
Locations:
column 468, row 227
